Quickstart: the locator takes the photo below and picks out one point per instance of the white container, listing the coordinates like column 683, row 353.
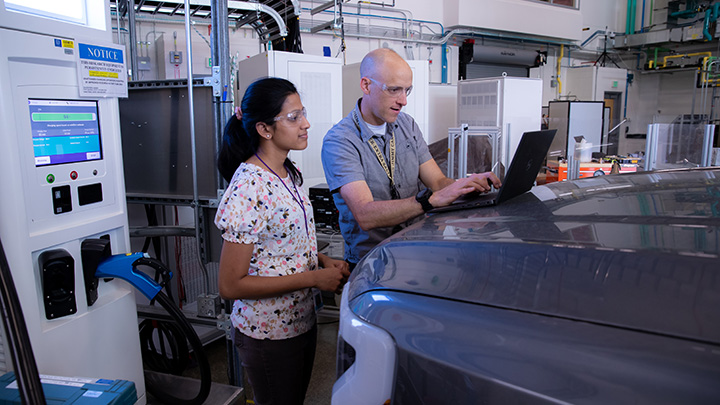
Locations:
column 514, row 104
column 574, row 119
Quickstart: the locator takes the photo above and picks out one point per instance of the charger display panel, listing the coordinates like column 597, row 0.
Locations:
column 65, row 131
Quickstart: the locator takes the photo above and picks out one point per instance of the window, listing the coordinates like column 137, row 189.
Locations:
column 74, row 11
column 564, row 3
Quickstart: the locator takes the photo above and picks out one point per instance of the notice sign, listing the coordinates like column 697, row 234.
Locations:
column 101, row 71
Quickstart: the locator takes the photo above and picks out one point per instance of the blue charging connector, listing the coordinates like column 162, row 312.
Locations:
column 124, row 267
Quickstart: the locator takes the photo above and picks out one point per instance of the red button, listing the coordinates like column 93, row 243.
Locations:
column 73, row 175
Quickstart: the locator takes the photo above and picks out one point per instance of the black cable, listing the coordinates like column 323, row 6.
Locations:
column 16, row 333
column 152, row 220
column 170, row 338
column 196, row 344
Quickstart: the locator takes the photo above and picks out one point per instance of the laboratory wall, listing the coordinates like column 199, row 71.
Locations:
column 656, row 97
column 158, row 39
column 590, row 30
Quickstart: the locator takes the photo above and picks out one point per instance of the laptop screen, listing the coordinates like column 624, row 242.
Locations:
column 519, row 177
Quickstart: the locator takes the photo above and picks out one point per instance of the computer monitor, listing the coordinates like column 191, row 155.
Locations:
column 65, row 131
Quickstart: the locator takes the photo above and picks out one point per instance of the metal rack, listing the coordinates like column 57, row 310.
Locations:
column 461, row 136
column 676, row 145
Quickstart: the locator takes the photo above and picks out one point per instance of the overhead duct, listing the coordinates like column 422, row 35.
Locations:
column 503, row 56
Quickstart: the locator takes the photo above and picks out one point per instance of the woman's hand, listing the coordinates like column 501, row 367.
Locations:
column 331, row 279
column 328, row 262
column 333, row 275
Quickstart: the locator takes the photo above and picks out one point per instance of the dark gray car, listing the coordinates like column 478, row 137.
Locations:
column 603, row 290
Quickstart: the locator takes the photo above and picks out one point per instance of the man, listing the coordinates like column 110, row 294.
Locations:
column 377, row 163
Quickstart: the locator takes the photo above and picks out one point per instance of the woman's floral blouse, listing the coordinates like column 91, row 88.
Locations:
column 257, row 209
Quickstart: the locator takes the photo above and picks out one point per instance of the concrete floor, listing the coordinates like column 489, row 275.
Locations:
column 323, row 377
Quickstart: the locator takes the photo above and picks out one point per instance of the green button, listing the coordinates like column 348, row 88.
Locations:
column 50, row 178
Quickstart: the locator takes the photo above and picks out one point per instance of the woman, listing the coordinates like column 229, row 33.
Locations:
column 269, row 262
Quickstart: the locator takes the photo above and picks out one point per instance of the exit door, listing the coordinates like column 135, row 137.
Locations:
column 612, row 101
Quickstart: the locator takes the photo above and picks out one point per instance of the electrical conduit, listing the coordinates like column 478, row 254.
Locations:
column 557, row 74
column 642, row 18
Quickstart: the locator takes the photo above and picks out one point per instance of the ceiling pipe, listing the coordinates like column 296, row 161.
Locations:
column 379, row 4
column 407, row 14
column 459, row 32
column 243, row 5
column 296, row 6
column 445, row 36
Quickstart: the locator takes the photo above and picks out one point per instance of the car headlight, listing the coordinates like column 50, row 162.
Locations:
column 345, row 357
column 366, row 360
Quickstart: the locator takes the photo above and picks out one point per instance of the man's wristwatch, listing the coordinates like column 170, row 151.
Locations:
column 423, row 197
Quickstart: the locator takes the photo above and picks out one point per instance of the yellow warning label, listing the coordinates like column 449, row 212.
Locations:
column 68, row 44
column 95, row 73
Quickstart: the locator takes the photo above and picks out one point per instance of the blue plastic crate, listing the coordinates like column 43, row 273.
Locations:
column 73, row 390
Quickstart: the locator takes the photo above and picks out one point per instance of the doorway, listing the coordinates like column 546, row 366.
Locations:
column 613, row 102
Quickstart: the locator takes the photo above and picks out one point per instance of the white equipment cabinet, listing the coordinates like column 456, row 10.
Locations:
column 513, row 104
column 592, row 83
column 63, row 184
column 417, row 102
column 607, row 84
column 574, row 119
column 319, row 82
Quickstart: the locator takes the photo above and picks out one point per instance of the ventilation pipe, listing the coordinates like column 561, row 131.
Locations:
column 504, row 56
column 711, row 15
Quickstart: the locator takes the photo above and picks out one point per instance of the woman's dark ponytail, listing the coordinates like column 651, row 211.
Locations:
column 262, row 102
column 237, row 147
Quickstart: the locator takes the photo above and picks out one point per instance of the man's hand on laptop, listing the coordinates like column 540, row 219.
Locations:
column 476, row 182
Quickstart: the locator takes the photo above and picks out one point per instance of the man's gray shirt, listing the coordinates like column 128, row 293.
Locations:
column 347, row 157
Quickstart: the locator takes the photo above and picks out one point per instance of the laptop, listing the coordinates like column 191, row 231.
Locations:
column 519, row 177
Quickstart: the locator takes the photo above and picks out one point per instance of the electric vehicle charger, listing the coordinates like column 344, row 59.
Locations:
column 125, row 267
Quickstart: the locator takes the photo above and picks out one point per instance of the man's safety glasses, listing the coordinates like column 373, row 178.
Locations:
column 394, row 91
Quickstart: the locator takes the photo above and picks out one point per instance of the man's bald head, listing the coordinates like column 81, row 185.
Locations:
column 385, row 81
column 377, row 60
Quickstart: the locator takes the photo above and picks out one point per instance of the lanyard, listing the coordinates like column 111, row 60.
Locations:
column 297, row 199
column 390, row 172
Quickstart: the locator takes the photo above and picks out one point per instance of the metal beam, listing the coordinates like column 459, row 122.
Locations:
column 323, row 7
column 321, row 27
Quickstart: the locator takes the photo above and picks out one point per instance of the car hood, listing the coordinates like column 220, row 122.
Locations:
column 638, row 251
